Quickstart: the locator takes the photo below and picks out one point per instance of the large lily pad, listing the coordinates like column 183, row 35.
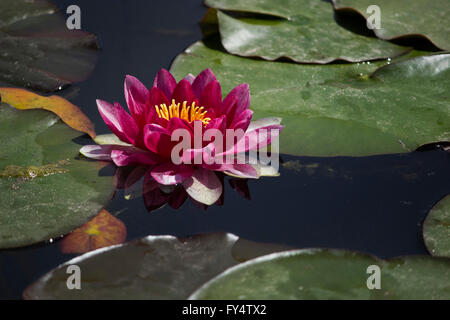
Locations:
column 330, row 274
column 45, row 189
column 340, row 109
column 305, row 31
column 38, row 51
column 155, row 267
column 402, row 18
column 436, row 229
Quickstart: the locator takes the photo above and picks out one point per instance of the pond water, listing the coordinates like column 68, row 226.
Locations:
column 371, row 204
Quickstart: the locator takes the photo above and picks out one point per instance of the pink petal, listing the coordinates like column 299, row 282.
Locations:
column 157, row 139
column 97, row 152
column 238, row 100
column 136, row 95
column 124, row 158
column 119, row 121
column 177, row 198
column 190, row 77
column 242, row 170
column 242, row 121
column 170, row 174
column 204, row 186
column 183, row 92
column 211, row 98
column 156, row 98
column 165, row 82
column 202, row 80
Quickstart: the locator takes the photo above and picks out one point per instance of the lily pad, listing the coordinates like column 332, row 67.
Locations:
column 330, row 274
column 45, row 189
column 305, row 32
column 38, row 51
column 403, row 18
column 155, row 267
column 436, row 229
column 339, row 109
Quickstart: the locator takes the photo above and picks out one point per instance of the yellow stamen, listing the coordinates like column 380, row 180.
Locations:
column 189, row 113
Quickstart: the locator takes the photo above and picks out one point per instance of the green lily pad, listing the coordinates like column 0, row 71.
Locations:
column 38, row 51
column 402, row 18
column 45, row 190
column 305, row 31
column 338, row 109
column 330, row 274
column 154, row 267
column 436, row 229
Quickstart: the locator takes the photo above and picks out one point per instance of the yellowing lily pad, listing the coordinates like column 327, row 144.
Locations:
column 154, row 267
column 436, row 229
column 301, row 30
column 331, row 274
column 340, row 109
column 403, row 18
column 45, row 189
column 38, row 51
column 69, row 113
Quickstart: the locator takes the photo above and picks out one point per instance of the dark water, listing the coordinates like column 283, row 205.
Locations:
column 371, row 204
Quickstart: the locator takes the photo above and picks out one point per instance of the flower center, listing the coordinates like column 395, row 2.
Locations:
column 188, row 113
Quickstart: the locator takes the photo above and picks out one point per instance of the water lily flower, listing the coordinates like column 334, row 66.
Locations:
column 145, row 135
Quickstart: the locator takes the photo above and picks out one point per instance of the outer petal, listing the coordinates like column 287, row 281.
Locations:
column 242, row 171
column 119, row 121
column 157, row 139
column 202, row 80
column 204, row 186
column 165, row 82
column 183, row 92
column 170, row 174
column 97, row 152
column 137, row 96
column 190, row 77
column 242, row 121
column 131, row 157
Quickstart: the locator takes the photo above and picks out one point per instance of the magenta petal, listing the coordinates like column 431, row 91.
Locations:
column 165, row 82
column 183, row 92
column 119, row 121
column 170, row 174
column 243, row 120
column 190, row 77
column 211, row 97
column 238, row 98
column 204, row 186
column 136, row 95
column 124, row 158
column 256, row 139
column 202, row 80
column 242, row 170
column 157, row 139
column 156, row 98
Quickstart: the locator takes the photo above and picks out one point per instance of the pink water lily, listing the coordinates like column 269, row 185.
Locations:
column 144, row 136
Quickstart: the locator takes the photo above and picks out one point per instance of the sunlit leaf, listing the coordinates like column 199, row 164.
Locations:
column 341, row 109
column 436, row 229
column 45, row 189
column 155, row 267
column 403, row 18
column 102, row 231
column 301, row 30
column 69, row 113
column 38, row 51
column 330, row 274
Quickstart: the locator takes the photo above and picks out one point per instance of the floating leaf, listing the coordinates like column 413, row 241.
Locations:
column 436, row 229
column 45, row 190
column 403, row 18
column 340, row 109
column 102, row 231
column 305, row 31
column 330, row 274
column 69, row 113
column 38, row 51
column 155, row 267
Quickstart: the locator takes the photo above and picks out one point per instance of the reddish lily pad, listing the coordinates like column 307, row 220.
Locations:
column 69, row 113
column 102, row 231
column 304, row 31
column 406, row 18
column 38, row 51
